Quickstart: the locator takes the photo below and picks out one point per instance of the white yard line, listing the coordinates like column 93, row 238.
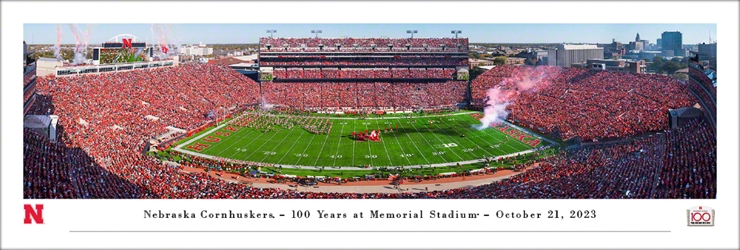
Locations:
column 484, row 146
column 291, row 147
column 369, row 148
column 414, row 143
column 430, row 144
column 245, row 146
column 455, row 140
column 354, row 142
column 386, row 148
column 281, row 142
column 440, row 141
column 400, row 146
column 237, row 141
column 263, row 144
column 321, row 150
column 341, row 132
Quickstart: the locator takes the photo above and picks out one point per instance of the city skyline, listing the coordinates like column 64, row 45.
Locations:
column 477, row 33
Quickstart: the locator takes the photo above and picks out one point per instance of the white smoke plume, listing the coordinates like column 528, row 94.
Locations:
column 81, row 42
column 265, row 105
column 506, row 92
column 166, row 40
column 58, row 46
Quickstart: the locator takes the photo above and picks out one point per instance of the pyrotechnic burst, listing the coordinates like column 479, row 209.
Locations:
column 166, row 40
column 508, row 91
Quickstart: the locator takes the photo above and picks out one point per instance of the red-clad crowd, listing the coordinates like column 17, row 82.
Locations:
column 569, row 102
column 180, row 96
column 368, row 62
column 677, row 164
column 294, row 73
column 358, row 94
column 106, row 120
column 364, row 44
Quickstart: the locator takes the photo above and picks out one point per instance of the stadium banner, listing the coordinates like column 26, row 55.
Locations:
column 183, row 223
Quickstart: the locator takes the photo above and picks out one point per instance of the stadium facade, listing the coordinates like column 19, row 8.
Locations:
column 373, row 66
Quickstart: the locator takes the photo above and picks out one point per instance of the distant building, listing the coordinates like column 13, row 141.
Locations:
column 638, row 46
column 707, row 51
column 479, row 62
column 672, row 44
column 622, row 65
column 645, row 44
column 659, row 43
column 648, row 55
column 615, row 50
column 47, row 66
column 515, row 60
column 565, row 55
column 196, row 50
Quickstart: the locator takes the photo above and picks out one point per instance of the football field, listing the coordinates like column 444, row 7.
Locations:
column 413, row 141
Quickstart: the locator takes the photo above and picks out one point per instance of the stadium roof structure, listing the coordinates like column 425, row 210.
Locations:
column 688, row 112
column 36, row 121
column 47, row 59
column 579, row 46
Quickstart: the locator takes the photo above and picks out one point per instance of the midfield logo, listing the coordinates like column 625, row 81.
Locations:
column 34, row 213
column 700, row 216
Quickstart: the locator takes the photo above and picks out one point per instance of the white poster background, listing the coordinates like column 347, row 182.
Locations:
column 666, row 219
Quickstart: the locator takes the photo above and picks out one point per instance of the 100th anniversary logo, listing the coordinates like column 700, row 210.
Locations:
column 700, row 216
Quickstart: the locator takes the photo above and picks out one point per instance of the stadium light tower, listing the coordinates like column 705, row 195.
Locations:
column 271, row 32
column 456, row 32
column 412, row 32
column 317, row 32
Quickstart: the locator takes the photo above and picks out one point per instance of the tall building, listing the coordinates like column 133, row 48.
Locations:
column 672, row 43
column 707, row 51
column 567, row 54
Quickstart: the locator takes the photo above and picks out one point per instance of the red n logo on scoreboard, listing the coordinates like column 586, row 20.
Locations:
column 164, row 50
column 35, row 214
column 127, row 43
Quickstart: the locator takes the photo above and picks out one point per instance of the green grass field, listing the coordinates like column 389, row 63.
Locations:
column 416, row 142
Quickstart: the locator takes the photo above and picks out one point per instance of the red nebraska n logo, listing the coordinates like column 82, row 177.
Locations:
column 36, row 214
column 127, row 43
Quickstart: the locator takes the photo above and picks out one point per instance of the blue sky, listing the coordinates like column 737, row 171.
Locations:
column 478, row 33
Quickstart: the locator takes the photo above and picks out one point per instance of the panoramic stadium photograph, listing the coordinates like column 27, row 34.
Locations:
column 369, row 111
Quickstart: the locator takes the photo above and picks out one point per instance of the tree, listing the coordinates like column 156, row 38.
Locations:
column 474, row 55
column 658, row 59
column 499, row 60
column 670, row 67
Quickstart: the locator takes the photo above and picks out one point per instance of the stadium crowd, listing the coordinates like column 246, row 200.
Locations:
column 594, row 105
column 362, row 73
column 357, row 95
column 106, row 120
